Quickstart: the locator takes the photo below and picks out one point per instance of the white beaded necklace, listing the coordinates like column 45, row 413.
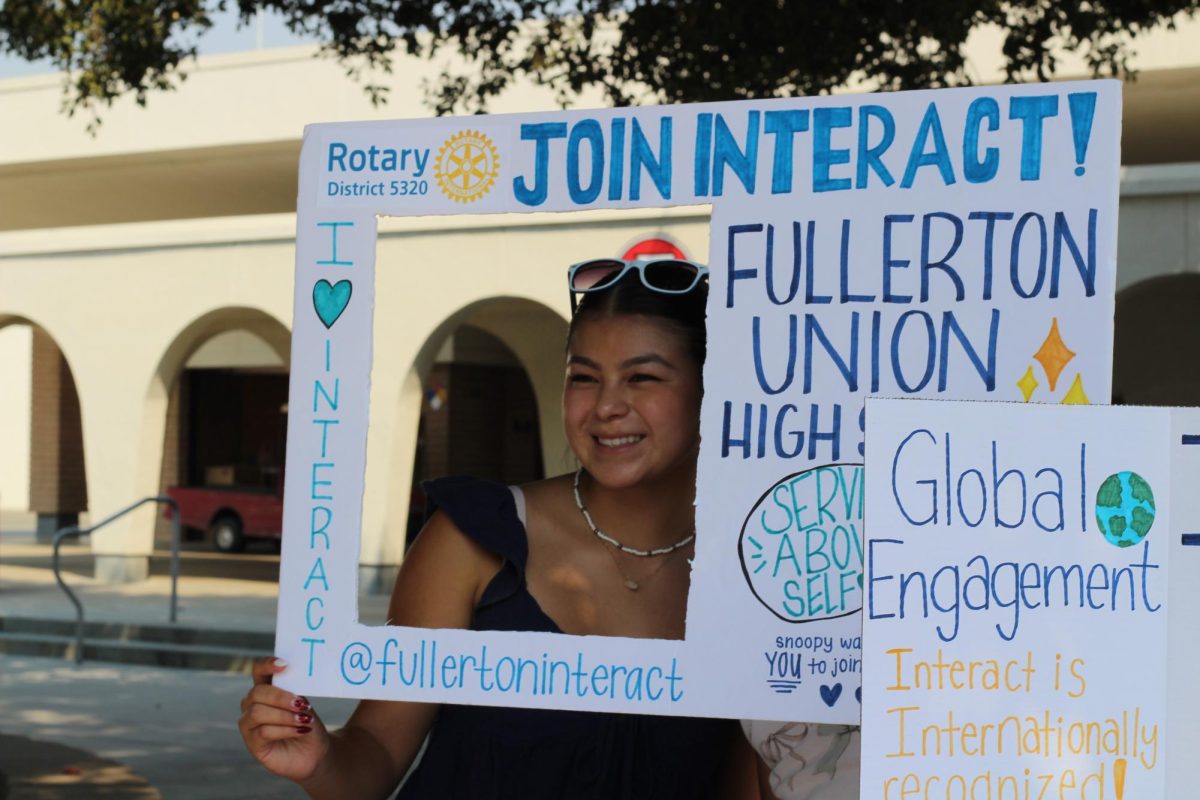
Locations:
column 604, row 537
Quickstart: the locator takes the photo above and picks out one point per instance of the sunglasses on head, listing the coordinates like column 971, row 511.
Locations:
column 666, row 276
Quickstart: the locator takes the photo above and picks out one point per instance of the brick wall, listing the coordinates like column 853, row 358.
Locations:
column 57, row 483
column 493, row 424
column 174, row 455
column 434, row 448
column 487, row 428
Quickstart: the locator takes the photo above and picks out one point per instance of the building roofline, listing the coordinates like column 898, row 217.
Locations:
column 1160, row 179
column 281, row 228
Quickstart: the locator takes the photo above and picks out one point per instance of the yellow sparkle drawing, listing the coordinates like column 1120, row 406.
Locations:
column 1027, row 383
column 1053, row 355
column 1075, row 396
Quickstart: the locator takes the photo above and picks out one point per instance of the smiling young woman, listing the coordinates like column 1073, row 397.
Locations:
column 602, row 552
column 631, row 404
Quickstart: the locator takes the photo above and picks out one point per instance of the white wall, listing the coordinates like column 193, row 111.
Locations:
column 166, row 288
column 16, row 343
column 231, row 99
column 1159, row 229
column 235, row 349
column 1161, row 48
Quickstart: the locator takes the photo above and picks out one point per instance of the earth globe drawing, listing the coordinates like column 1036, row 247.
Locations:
column 1125, row 508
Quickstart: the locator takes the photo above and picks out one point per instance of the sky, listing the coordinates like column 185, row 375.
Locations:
column 223, row 37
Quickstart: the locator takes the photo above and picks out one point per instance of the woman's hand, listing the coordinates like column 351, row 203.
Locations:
column 280, row 729
column 440, row 582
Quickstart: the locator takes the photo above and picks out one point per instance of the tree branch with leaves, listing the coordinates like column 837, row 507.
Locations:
column 634, row 51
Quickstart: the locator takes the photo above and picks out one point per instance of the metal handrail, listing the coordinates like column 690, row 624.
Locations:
column 74, row 531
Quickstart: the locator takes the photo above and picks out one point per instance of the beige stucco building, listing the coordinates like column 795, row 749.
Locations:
column 146, row 279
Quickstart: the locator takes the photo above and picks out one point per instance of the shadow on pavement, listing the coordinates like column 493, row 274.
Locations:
column 34, row 770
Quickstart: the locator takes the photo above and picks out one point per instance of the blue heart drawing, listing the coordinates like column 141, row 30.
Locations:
column 858, row 694
column 830, row 694
column 330, row 300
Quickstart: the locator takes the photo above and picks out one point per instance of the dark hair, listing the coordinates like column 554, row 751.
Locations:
column 684, row 312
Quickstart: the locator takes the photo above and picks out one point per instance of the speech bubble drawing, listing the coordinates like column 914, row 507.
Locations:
column 801, row 544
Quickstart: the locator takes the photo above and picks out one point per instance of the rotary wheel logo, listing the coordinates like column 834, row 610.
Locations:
column 467, row 166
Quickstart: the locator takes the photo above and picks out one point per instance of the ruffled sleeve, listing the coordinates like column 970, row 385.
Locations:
column 486, row 513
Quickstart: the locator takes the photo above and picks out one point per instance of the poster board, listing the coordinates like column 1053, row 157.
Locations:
column 1025, row 585
column 956, row 243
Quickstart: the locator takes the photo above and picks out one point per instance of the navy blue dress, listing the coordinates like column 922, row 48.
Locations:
column 483, row 753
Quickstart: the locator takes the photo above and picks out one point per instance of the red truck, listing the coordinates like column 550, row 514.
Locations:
column 232, row 514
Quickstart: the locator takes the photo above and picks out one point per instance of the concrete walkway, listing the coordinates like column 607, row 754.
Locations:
column 173, row 731
column 33, row 770
column 131, row 731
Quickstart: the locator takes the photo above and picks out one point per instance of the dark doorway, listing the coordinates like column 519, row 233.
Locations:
column 235, row 427
column 479, row 417
column 1156, row 345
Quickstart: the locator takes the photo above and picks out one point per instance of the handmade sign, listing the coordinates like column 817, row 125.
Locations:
column 956, row 243
column 1019, row 581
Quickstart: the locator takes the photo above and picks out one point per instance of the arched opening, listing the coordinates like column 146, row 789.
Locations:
column 482, row 395
column 490, row 376
column 43, row 479
column 224, row 381
column 479, row 415
column 1157, row 342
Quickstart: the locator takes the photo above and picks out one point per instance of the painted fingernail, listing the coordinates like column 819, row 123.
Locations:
column 300, row 704
column 303, row 729
column 304, row 719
